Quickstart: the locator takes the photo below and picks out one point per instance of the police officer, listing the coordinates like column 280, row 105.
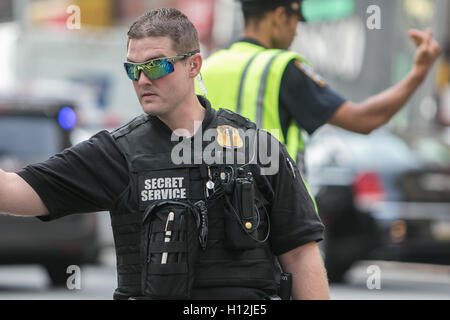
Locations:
column 184, row 229
column 258, row 78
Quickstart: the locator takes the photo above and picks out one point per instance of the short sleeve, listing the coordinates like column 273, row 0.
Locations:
column 293, row 217
column 85, row 178
column 305, row 97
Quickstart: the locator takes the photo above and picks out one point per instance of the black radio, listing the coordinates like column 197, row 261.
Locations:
column 243, row 220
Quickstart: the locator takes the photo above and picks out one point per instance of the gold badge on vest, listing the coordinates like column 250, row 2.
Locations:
column 229, row 137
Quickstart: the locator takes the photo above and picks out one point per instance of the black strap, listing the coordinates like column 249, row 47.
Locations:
column 159, row 226
column 231, row 270
column 162, row 203
column 129, row 279
column 125, row 219
column 128, row 240
column 167, row 268
column 132, row 258
column 129, row 269
column 173, row 246
column 215, row 254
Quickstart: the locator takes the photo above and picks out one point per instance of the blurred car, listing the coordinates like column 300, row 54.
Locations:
column 378, row 200
column 32, row 130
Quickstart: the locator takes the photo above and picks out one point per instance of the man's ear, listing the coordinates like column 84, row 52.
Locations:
column 195, row 65
column 279, row 16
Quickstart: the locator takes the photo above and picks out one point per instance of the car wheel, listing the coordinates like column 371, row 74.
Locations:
column 336, row 272
column 57, row 274
column 337, row 263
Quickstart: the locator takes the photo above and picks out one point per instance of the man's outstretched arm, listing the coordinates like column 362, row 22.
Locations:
column 379, row 109
column 17, row 197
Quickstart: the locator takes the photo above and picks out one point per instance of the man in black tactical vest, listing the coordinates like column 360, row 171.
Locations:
column 201, row 201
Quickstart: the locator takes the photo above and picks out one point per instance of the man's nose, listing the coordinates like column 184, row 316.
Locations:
column 143, row 79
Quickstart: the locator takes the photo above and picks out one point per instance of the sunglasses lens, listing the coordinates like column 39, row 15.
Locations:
column 157, row 69
column 153, row 69
column 131, row 71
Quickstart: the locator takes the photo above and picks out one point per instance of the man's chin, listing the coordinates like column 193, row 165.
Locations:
column 152, row 109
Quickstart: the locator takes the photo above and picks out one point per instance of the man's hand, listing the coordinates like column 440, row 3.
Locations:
column 428, row 51
column 379, row 109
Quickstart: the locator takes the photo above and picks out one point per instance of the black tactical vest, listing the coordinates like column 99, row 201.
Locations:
column 220, row 273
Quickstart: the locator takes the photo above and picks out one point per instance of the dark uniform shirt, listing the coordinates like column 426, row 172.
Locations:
column 304, row 97
column 91, row 176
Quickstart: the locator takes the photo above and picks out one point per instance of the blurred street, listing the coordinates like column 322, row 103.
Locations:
column 382, row 197
column 399, row 281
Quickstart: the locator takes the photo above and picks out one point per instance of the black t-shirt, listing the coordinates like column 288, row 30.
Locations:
column 91, row 176
column 304, row 97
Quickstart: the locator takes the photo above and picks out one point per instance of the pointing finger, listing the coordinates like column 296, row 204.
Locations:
column 417, row 36
column 428, row 37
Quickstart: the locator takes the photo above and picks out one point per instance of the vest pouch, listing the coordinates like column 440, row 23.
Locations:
column 242, row 217
column 170, row 247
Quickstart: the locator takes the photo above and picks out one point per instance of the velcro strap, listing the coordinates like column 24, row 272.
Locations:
column 124, row 219
column 221, row 254
column 167, row 268
column 175, row 246
column 129, row 268
column 129, row 279
column 128, row 240
column 133, row 258
column 233, row 270
column 159, row 226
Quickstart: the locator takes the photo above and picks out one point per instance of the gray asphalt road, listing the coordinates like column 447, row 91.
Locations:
column 395, row 281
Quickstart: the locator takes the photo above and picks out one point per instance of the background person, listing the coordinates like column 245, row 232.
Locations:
column 258, row 78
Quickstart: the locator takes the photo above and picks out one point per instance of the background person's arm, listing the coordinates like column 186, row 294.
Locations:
column 309, row 279
column 379, row 109
column 17, row 197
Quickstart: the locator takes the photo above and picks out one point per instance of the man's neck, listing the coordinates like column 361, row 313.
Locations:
column 185, row 116
column 259, row 32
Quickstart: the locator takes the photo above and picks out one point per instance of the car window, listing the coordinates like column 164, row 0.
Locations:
column 348, row 150
column 433, row 152
column 29, row 138
column 381, row 151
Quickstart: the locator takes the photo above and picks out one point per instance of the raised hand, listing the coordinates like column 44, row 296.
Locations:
column 428, row 51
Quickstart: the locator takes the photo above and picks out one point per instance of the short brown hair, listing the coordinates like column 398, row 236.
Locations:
column 166, row 22
column 257, row 14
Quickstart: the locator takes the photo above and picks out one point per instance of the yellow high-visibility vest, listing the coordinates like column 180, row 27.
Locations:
column 246, row 79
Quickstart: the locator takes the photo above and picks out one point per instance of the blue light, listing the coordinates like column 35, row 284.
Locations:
column 67, row 118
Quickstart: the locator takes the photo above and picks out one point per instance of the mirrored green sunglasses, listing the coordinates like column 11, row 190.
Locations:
column 155, row 68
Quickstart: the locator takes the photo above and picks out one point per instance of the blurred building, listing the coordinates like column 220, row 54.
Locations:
column 42, row 40
column 82, row 42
